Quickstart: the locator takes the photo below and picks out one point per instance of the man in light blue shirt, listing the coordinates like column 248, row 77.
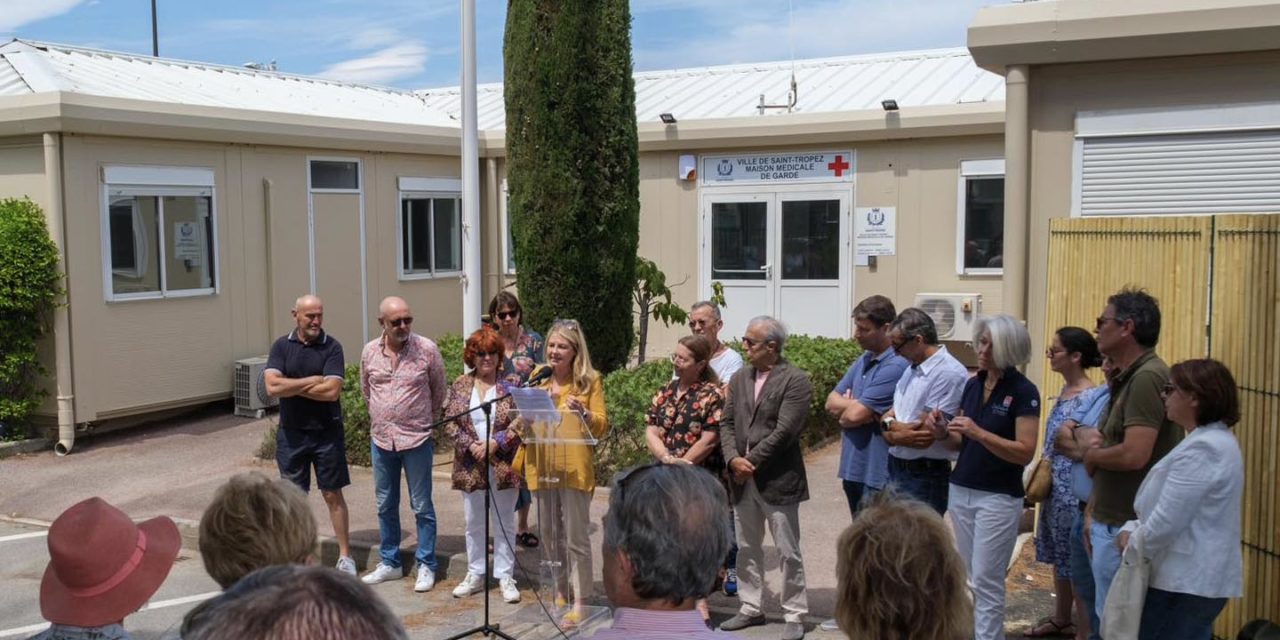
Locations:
column 920, row 462
column 866, row 392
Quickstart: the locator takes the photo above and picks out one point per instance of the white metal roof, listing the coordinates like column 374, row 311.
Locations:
column 851, row 83
column 28, row 67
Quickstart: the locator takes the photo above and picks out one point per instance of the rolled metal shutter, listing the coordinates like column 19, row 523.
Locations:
column 1186, row 173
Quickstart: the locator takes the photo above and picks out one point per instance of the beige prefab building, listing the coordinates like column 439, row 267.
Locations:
column 193, row 203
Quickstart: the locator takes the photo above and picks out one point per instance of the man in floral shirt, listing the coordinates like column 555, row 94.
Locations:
column 402, row 379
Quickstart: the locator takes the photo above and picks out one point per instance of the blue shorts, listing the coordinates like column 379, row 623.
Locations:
column 297, row 451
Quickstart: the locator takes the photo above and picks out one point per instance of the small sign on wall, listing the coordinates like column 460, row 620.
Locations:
column 875, row 233
column 755, row 168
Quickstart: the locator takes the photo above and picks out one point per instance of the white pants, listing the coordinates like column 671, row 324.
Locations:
column 986, row 527
column 751, row 515
column 502, row 515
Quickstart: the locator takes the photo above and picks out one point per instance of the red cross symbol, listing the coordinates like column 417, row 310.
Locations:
column 838, row 166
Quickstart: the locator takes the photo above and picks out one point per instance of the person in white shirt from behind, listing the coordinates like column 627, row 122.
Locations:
column 704, row 320
column 1189, row 508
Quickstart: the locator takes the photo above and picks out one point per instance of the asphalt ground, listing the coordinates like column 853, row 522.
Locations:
column 172, row 468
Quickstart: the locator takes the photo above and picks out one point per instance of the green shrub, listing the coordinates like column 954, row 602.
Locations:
column 628, row 393
column 355, row 415
column 30, row 285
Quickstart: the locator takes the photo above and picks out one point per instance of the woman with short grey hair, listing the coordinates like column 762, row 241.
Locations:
column 995, row 432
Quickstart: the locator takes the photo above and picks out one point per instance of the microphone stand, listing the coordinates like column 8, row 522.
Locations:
column 485, row 628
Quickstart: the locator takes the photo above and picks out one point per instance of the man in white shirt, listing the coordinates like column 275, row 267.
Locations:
column 704, row 320
column 920, row 462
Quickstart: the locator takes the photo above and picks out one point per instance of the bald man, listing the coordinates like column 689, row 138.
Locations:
column 402, row 379
column 305, row 371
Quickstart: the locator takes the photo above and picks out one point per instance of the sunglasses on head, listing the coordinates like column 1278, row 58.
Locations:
column 401, row 322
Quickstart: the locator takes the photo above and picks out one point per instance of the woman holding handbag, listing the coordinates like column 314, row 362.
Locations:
column 1188, row 507
column 1072, row 352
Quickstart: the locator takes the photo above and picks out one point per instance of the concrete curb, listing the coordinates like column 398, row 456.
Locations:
column 30, row 445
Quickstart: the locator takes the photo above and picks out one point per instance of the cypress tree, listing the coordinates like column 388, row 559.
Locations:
column 572, row 167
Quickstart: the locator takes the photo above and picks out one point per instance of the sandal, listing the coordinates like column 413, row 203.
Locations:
column 1047, row 627
column 527, row 540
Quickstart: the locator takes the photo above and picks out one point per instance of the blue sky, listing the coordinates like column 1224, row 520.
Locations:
column 414, row 43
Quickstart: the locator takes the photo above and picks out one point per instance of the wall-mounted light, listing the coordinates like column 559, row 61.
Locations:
column 667, row 118
column 889, row 104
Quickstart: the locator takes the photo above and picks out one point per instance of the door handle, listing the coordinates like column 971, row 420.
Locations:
column 768, row 271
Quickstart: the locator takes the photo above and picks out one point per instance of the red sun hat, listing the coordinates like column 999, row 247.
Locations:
column 103, row 567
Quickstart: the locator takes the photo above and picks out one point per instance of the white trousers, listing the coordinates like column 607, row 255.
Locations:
column 986, row 527
column 751, row 515
column 502, row 521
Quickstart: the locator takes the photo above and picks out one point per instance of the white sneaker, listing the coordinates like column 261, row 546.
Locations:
column 346, row 565
column 381, row 573
column 426, row 579
column 510, row 592
column 469, row 585
column 829, row 625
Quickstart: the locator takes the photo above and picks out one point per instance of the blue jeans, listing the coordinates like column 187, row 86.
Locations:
column 928, row 481
column 854, row 492
column 1105, row 563
column 1167, row 615
column 1082, row 576
column 416, row 463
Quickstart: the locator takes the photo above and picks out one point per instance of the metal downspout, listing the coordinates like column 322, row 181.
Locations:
column 496, row 238
column 1017, row 209
column 66, row 395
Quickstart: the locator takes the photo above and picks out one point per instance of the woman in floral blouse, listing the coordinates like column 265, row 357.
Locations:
column 476, row 438
column 521, row 352
column 683, row 423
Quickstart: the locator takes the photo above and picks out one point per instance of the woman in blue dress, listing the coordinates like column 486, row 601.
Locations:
column 1072, row 352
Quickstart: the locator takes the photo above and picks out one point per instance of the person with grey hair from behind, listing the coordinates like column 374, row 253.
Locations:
column 288, row 602
column 665, row 533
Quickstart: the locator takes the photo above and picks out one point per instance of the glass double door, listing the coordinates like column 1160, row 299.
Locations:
column 783, row 254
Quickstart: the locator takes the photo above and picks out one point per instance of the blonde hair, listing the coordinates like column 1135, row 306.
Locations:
column 583, row 373
column 255, row 522
column 899, row 575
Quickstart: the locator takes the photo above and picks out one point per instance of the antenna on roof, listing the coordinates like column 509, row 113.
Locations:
column 261, row 66
column 794, row 94
column 155, row 32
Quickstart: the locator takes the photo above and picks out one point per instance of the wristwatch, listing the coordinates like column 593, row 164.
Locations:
column 887, row 421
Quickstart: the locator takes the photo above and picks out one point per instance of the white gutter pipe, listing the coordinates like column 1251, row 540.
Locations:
column 66, row 395
column 1017, row 193
column 472, row 277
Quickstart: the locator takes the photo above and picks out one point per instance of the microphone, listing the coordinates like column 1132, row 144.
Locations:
column 540, row 373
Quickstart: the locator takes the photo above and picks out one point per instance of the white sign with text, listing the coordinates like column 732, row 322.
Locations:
column 755, row 168
column 875, row 233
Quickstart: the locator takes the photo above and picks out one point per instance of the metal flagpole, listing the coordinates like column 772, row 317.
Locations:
column 473, row 279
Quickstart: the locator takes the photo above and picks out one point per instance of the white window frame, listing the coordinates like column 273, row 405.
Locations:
column 359, row 174
column 139, row 233
column 1191, row 119
column 156, row 182
column 980, row 168
column 411, row 188
column 504, row 228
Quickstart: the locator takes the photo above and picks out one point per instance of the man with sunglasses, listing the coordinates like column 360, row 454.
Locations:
column 305, row 371
column 403, row 383
column 704, row 320
column 1135, row 432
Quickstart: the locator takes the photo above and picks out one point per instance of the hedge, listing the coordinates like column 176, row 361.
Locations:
column 29, row 290
column 628, row 393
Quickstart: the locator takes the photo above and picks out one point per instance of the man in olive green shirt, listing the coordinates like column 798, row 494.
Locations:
column 1135, row 432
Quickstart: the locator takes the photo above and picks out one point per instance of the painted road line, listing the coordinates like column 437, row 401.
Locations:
column 161, row 604
column 24, row 536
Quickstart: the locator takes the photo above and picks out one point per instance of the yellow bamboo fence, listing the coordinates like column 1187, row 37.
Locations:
column 1219, row 291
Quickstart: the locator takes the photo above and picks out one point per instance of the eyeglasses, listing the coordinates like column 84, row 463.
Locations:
column 569, row 323
column 488, row 354
column 696, row 324
column 749, row 343
column 507, row 315
column 620, row 480
column 1053, row 353
column 678, row 359
column 1101, row 320
column 1167, row 390
column 401, row 322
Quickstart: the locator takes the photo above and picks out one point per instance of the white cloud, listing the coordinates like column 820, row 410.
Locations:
column 381, row 67
column 821, row 29
column 372, row 38
column 16, row 13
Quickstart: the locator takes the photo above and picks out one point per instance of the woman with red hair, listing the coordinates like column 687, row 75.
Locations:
column 485, row 441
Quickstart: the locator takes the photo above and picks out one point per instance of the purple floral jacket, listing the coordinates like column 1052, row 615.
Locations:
column 468, row 471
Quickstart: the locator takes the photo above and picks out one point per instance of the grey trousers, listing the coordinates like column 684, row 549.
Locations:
column 751, row 515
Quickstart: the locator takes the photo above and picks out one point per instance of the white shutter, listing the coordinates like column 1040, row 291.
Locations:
column 1184, row 173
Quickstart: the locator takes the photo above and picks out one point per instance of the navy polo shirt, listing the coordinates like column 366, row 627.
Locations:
column 1014, row 397
column 293, row 359
column 864, row 455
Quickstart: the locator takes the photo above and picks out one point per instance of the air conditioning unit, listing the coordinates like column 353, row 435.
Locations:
column 251, row 389
column 954, row 314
